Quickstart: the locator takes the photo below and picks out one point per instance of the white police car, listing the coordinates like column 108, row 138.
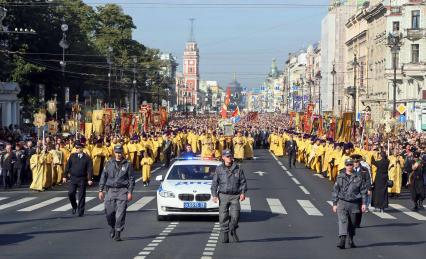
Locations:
column 185, row 189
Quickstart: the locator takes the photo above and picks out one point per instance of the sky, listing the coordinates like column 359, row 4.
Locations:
column 238, row 38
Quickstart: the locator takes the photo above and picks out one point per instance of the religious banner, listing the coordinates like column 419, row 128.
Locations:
column 156, row 119
column 39, row 119
column 126, row 120
column 88, row 129
column 133, row 129
column 97, row 120
column 107, row 120
column 163, row 116
column 308, row 117
column 52, row 127
column 51, row 107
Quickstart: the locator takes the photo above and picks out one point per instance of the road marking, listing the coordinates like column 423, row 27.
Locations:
column 17, row 202
column 3, row 198
column 382, row 215
column 276, row 206
column 43, row 204
column 140, row 203
column 283, row 167
column 295, row 180
column 99, row 207
column 319, row 175
column 309, row 208
column 407, row 212
column 288, row 173
column 304, row 189
column 153, row 171
column 212, row 242
column 69, row 207
column 156, row 242
column 245, row 205
column 279, row 162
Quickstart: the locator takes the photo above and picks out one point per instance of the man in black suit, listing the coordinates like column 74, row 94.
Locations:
column 8, row 160
column 79, row 169
column 291, row 149
column 167, row 150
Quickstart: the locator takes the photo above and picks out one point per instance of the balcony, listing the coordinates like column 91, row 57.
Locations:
column 415, row 34
column 414, row 69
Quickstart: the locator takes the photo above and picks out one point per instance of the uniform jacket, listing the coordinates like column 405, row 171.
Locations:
column 229, row 180
column 79, row 168
column 349, row 188
column 291, row 146
column 117, row 174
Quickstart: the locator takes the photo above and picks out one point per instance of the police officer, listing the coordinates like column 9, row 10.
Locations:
column 364, row 172
column 117, row 181
column 79, row 169
column 229, row 187
column 349, row 195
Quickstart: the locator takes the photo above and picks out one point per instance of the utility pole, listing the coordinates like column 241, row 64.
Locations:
column 135, row 60
column 109, row 61
column 64, row 45
column 319, row 77
column 354, row 65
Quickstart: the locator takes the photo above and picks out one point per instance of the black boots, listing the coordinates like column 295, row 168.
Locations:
column 342, row 242
column 225, row 237
column 234, row 235
column 112, row 233
column 117, row 236
column 351, row 242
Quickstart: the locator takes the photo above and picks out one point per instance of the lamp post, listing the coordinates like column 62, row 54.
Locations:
column 64, row 45
column 333, row 73
column 302, row 85
column 134, row 106
column 354, row 65
column 394, row 42
column 319, row 77
column 109, row 61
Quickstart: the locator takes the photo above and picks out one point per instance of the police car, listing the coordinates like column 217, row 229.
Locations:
column 185, row 189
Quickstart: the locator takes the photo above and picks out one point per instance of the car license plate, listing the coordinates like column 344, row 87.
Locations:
column 194, row 205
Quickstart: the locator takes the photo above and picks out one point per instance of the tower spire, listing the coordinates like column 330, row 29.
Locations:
column 191, row 35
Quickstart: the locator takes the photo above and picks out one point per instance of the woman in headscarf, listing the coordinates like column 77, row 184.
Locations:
column 380, row 199
column 416, row 183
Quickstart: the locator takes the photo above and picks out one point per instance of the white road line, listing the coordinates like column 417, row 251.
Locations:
column 295, row 180
column 43, row 204
column 279, row 162
column 319, row 175
column 155, row 242
column 245, row 205
column 408, row 212
column 276, row 206
column 17, row 202
column 212, row 242
column 69, row 207
column 3, row 198
column 99, row 207
column 304, row 189
column 309, row 208
column 153, row 171
column 382, row 215
column 283, row 167
column 289, row 174
column 140, row 203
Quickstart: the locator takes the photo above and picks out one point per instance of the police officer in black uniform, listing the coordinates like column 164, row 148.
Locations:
column 117, row 181
column 79, row 170
column 349, row 196
column 291, row 148
column 229, row 187
column 365, row 175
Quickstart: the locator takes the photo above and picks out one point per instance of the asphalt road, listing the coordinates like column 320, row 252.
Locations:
column 287, row 215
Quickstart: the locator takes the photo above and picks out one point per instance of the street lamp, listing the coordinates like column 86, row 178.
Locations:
column 354, row 65
column 64, row 45
column 394, row 42
column 303, row 94
column 135, row 60
column 333, row 73
column 109, row 61
column 319, row 77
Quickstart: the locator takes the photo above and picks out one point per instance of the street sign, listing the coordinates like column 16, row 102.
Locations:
column 401, row 109
column 402, row 118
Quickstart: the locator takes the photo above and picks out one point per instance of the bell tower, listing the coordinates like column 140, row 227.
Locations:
column 191, row 74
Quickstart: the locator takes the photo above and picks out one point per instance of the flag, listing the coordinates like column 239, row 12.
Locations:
column 223, row 111
column 228, row 96
column 236, row 115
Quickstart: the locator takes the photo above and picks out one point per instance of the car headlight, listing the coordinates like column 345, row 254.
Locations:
column 165, row 194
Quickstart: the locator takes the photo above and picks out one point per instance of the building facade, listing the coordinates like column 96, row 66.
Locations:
column 9, row 104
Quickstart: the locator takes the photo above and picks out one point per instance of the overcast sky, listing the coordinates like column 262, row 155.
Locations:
column 238, row 38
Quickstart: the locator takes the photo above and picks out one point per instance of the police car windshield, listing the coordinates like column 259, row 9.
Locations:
column 192, row 172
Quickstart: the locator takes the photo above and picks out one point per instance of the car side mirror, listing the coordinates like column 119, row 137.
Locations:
column 159, row 178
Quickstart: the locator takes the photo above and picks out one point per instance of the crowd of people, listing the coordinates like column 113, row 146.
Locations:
column 394, row 161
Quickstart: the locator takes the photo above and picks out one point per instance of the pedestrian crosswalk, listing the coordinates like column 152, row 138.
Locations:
column 275, row 206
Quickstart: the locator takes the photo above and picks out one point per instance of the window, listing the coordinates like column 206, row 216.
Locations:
column 190, row 70
column 395, row 26
column 415, row 19
column 415, row 53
